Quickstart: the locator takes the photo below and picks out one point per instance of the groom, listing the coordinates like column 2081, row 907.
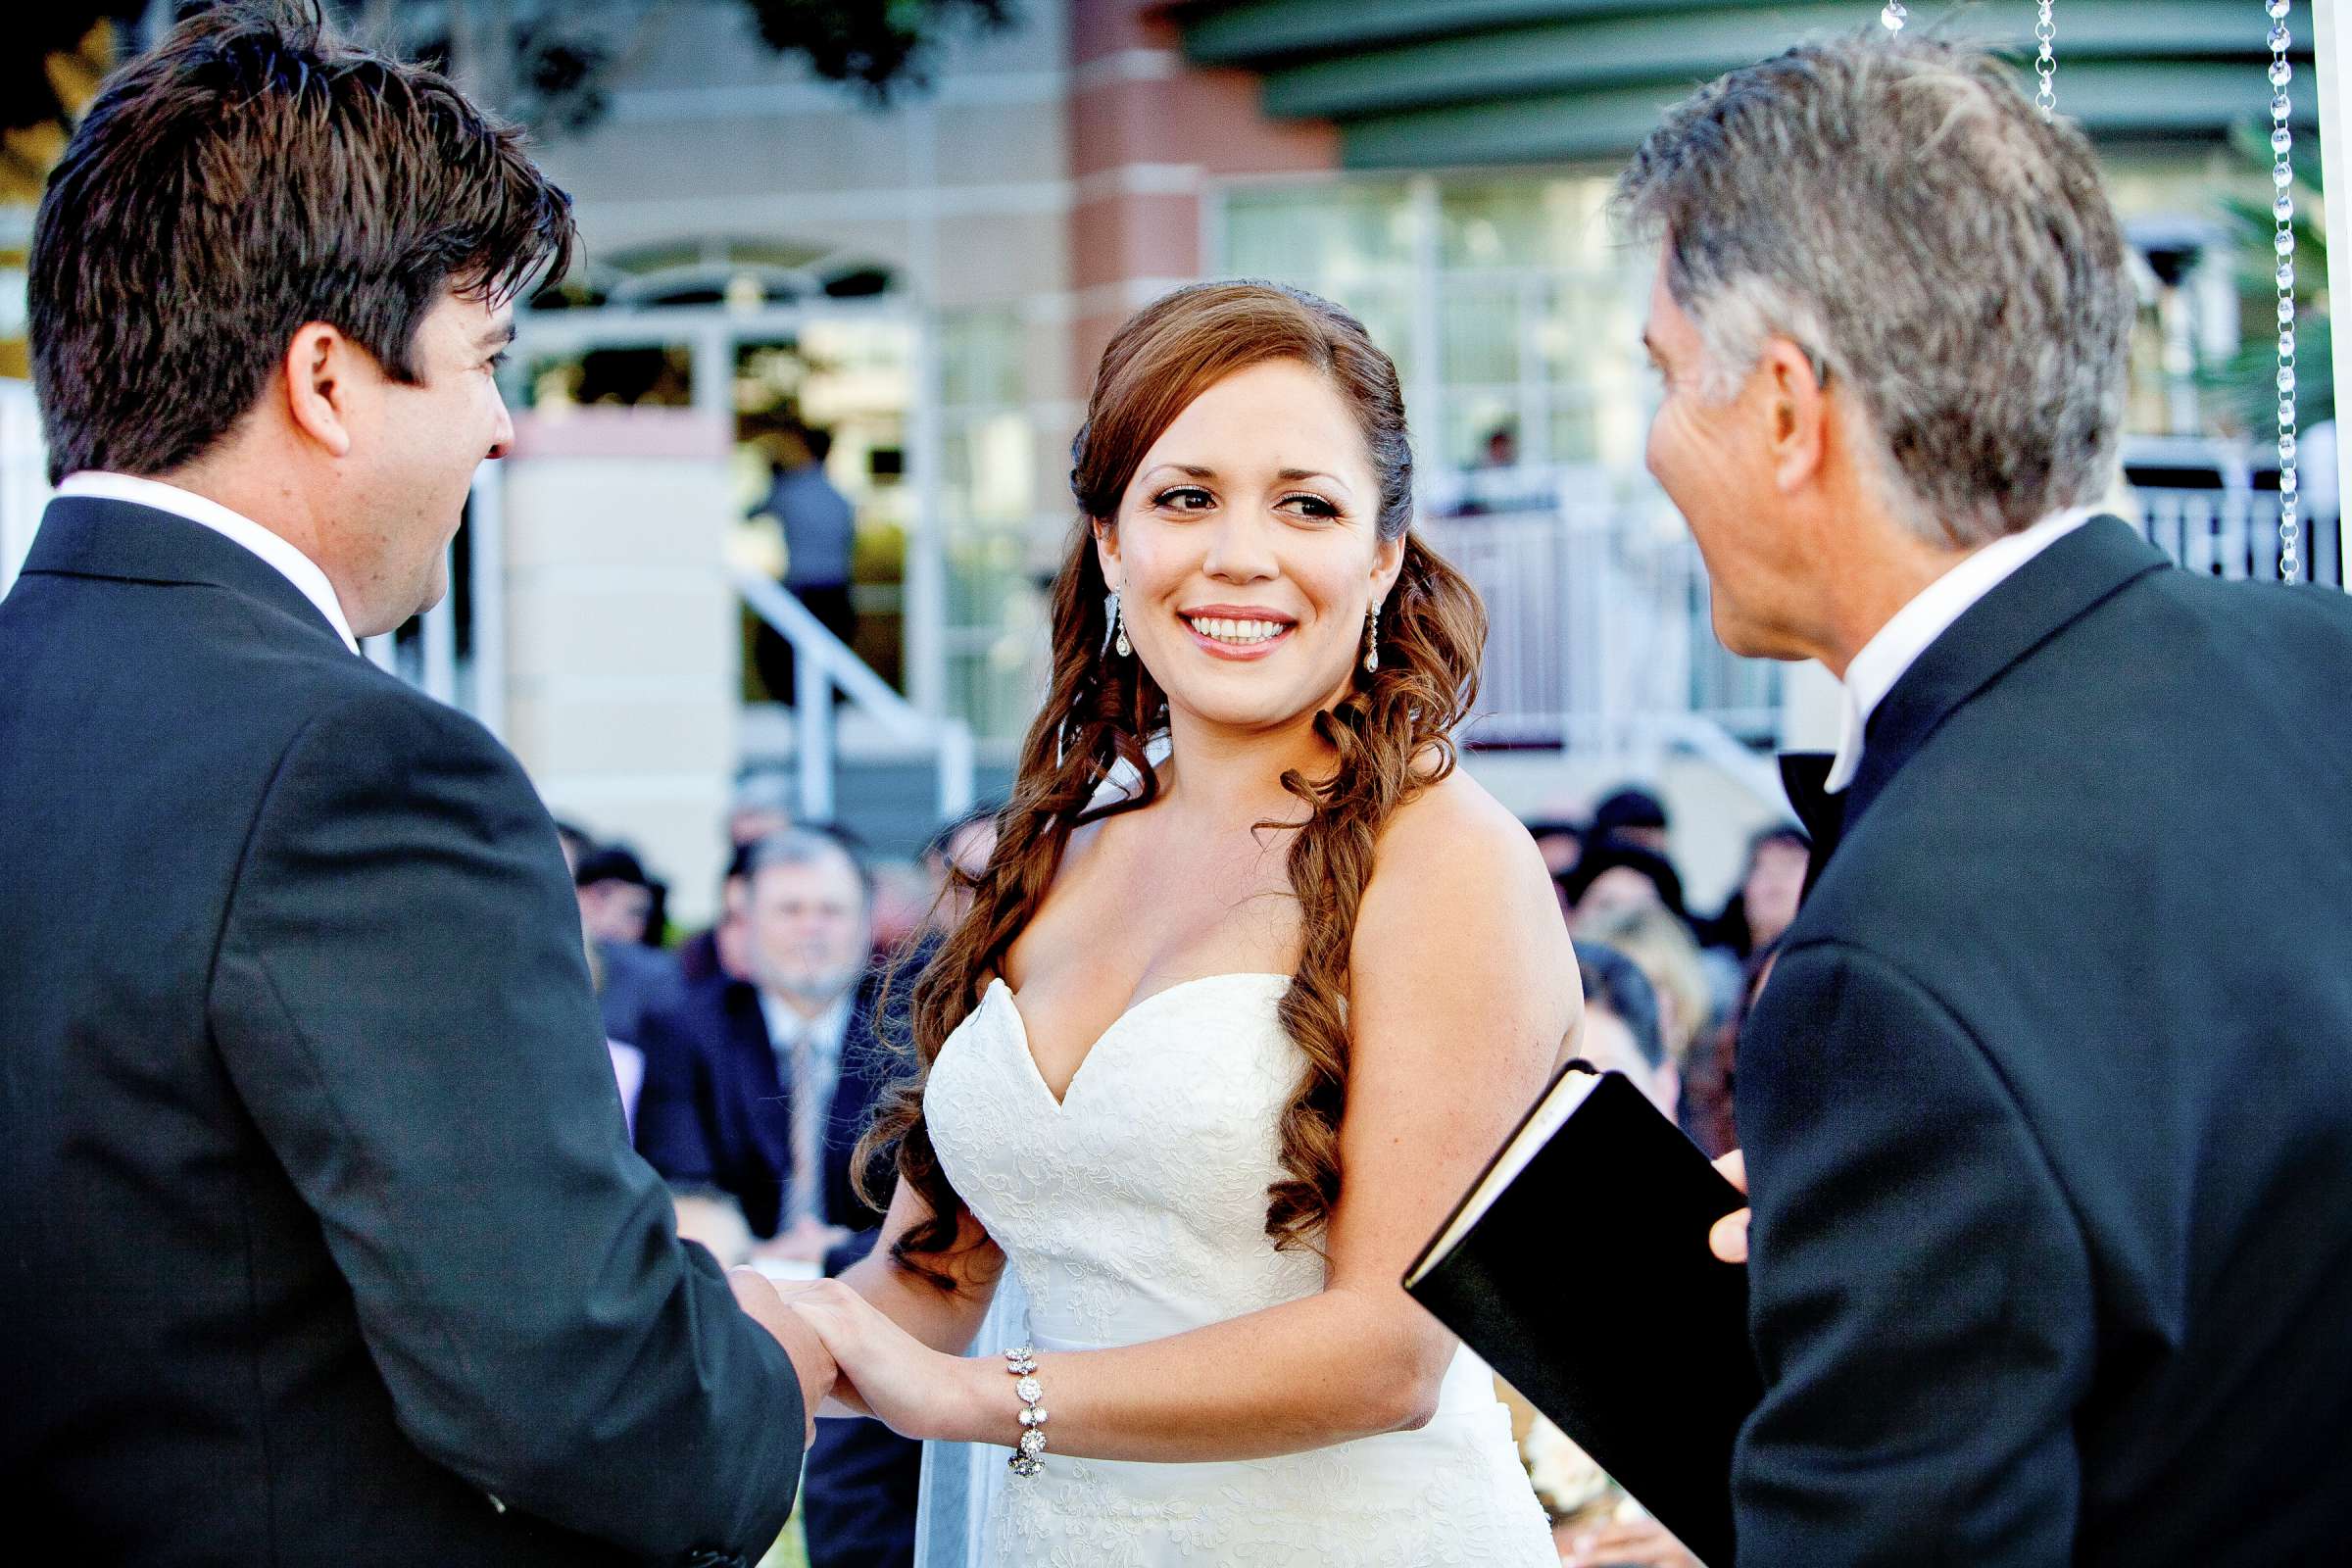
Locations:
column 2048, row 1103
column 321, row 1238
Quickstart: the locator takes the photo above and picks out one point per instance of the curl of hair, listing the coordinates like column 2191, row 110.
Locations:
column 1389, row 737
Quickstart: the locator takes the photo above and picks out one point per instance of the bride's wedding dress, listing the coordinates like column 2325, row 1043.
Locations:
column 1135, row 1208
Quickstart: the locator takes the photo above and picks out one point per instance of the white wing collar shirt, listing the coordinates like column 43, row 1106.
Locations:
column 290, row 563
column 1884, row 660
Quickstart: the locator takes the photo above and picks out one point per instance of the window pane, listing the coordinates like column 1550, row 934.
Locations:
column 1316, row 235
column 1479, row 326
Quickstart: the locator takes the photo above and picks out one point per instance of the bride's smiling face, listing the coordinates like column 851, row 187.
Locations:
column 1247, row 550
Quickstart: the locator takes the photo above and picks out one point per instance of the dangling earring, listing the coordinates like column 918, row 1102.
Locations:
column 1118, row 629
column 1372, row 639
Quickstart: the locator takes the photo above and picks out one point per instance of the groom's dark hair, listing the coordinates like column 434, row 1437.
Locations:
column 249, row 176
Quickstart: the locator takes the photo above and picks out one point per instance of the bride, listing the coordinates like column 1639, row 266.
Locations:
column 1236, row 1015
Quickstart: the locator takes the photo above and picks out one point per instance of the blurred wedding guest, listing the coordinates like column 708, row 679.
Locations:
column 1764, row 902
column 1621, row 1023
column 1559, row 840
column 575, row 844
column 904, row 892
column 719, row 950
column 761, row 806
column 760, row 1090
column 628, row 1062
column 820, row 531
column 618, row 906
column 617, row 897
column 634, row 980
column 1593, row 1521
column 1612, row 874
column 955, row 857
column 1653, row 937
column 1632, row 816
column 1709, row 1111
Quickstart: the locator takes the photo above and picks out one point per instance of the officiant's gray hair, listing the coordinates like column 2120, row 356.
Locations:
column 1898, row 209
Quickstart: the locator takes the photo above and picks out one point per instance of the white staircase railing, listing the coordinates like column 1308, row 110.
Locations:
column 1598, row 637
column 24, row 477
column 822, row 663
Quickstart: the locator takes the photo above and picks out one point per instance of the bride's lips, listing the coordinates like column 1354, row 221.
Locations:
column 1243, row 652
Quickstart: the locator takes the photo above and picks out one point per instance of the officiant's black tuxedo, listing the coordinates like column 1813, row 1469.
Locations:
column 2048, row 1103
column 321, row 1237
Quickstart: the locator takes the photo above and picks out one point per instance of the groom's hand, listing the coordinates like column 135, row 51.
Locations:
column 810, row 1358
column 1729, row 1239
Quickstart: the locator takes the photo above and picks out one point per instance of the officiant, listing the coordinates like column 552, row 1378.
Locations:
column 2048, row 1103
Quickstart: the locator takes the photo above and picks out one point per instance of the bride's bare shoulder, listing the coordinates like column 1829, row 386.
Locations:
column 1454, row 832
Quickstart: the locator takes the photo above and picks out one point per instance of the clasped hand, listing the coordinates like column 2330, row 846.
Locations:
column 885, row 1372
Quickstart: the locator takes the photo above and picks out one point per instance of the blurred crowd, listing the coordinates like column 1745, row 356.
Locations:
column 750, row 1061
column 1667, row 991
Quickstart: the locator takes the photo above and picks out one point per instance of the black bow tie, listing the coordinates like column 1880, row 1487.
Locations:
column 1805, row 775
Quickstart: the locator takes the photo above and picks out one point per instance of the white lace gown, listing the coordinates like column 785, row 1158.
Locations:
column 1135, row 1208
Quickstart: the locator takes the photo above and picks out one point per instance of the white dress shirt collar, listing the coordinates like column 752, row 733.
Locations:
column 291, row 564
column 825, row 1031
column 1886, row 656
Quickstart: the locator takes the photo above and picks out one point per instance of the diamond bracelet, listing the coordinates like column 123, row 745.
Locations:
column 1022, row 1364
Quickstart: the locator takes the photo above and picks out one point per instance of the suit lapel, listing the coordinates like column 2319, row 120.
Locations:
column 765, row 1099
column 86, row 536
column 2037, row 602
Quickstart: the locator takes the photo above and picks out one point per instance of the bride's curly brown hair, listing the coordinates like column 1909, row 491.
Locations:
column 1389, row 737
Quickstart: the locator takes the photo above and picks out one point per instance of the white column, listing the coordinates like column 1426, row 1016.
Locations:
column 24, row 477
column 622, row 650
column 487, row 533
column 926, row 602
column 2331, row 49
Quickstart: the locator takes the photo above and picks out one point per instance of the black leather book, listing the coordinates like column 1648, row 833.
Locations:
column 1578, row 1268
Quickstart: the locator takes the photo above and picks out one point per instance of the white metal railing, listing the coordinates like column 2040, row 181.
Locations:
column 1599, row 636
column 24, row 477
column 2232, row 532
column 430, row 660
column 822, row 663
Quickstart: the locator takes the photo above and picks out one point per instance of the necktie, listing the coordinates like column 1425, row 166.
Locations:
column 803, row 1184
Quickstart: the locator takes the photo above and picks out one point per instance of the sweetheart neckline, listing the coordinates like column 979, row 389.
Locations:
column 1020, row 1024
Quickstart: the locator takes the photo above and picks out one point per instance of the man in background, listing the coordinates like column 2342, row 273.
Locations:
column 820, row 535
column 757, row 1092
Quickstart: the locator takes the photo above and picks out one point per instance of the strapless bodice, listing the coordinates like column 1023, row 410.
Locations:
column 1134, row 1209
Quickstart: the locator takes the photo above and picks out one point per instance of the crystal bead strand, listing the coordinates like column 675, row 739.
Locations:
column 2282, row 209
column 2045, row 65
column 1894, row 17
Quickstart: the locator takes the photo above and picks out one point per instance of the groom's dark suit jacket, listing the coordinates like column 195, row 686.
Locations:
column 321, row 1237
column 2048, row 1103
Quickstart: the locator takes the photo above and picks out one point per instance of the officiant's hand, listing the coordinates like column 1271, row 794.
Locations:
column 1729, row 1239
column 916, row 1391
column 811, row 1360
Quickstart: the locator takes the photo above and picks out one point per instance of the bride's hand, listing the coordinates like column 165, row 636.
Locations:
column 885, row 1371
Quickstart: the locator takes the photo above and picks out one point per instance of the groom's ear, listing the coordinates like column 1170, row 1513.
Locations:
column 322, row 370
column 1797, row 408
